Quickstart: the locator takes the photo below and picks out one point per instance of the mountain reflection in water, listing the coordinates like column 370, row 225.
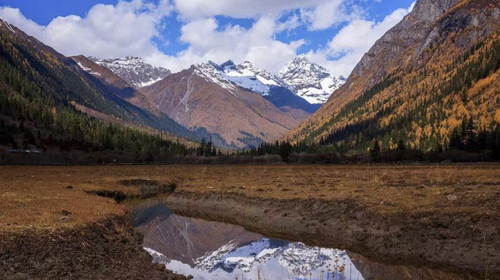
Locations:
column 211, row 250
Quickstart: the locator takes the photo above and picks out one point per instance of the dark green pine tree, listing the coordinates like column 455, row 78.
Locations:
column 471, row 142
column 375, row 151
column 496, row 144
column 401, row 145
column 455, row 140
column 285, row 151
column 201, row 150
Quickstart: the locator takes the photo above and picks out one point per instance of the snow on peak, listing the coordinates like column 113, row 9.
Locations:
column 296, row 257
column 310, row 80
column 245, row 75
column 134, row 70
column 212, row 73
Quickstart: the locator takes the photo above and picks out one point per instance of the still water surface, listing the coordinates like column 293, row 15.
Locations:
column 217, row 251
column 211, row 250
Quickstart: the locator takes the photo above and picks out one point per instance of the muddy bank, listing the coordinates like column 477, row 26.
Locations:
column 452, row 241
column 108, row 249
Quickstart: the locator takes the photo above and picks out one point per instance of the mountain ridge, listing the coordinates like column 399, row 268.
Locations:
column 309, row 80
column 134, row 70
column 399, row 83
column 201, row 97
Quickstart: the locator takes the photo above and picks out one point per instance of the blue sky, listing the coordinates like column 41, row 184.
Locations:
column 177, row 33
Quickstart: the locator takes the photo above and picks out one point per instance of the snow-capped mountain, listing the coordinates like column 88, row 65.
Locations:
column 296, row 257
column 246, row 75
column 249, row 76
column 309, row 80
column 134, row 70
column 212, row 250
column 271, row 257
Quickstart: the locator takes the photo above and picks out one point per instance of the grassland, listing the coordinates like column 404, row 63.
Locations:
column 451, row 212
column 34, row 197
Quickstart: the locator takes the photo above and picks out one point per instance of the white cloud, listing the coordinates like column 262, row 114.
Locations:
column 324, row 15
column 190, row 9
column 256, row 44
column 106, row 31
column 347, row 48
column 317, row 14
column 129, row 28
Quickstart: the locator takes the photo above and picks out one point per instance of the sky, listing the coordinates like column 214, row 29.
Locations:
column 178, row 33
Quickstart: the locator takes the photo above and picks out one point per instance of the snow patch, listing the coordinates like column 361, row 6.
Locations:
column 11, row 29
column 88, row 69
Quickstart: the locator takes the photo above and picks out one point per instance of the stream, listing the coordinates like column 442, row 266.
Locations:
column 219, row 251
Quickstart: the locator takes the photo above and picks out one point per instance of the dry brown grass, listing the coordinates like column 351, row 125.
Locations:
column 34, row 197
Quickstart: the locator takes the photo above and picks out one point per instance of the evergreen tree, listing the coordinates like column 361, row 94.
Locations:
column 401, row 145
column 455, row 140
column 285, row 151
column 375, row 151
column 496, row 144
column 471, row 143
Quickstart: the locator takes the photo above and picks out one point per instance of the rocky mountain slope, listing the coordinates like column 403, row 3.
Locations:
column 115, row 84
column 202, row 97
column 39, row 78
column 134, row 70
column 309, row 80
column 272, row 88
column 417, row 84
column 183, row 238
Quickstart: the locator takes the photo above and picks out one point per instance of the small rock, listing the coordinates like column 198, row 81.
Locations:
column 66, row 213
column 69, row 187
column 64, row 219
column 451, row 197
column 159, row 266
column 20, row 276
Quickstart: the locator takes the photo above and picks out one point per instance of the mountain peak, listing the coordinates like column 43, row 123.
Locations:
column 310, row 80
column 228, row 63
column 301, row 57
column 134, row 70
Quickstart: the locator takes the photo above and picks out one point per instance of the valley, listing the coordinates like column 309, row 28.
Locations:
column 221, row 140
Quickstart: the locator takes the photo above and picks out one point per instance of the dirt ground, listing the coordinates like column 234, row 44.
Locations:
column 435, row 206
column 35, row 197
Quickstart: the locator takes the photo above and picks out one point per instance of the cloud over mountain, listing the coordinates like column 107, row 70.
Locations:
column 138, row 28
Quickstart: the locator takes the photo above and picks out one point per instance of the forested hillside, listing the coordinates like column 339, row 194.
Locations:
column 431, row 83
column 43, row 94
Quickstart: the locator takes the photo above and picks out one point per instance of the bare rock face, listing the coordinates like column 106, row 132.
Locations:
column 431, row 10
column 405, row 35
column 201, row 97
